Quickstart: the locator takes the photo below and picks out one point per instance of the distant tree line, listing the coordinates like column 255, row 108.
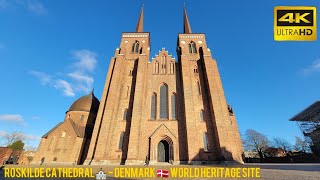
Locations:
column 257, row 142
column 14, row 140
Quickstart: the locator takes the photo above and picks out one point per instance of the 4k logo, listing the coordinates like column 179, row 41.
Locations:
column 295, row 23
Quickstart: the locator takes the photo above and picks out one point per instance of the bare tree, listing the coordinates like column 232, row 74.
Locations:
column 281, row 143
column 256, row 141
column 301, row 145
column 12, row 137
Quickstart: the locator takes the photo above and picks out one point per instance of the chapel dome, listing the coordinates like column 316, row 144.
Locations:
column 88, row 103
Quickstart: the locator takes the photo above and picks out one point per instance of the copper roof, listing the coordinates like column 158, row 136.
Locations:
column 88, row 103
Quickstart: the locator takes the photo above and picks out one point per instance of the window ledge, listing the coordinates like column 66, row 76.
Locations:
column 162, row 120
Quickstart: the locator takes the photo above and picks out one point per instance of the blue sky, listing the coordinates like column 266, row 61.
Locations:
column 53, row 52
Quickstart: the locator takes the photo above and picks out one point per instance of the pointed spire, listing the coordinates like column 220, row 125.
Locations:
column 139, row 27
column 186, row 24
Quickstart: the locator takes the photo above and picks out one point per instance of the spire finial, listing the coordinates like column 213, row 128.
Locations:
column 186, row 24
column 139, row 27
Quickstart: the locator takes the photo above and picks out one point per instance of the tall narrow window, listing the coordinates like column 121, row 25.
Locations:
column 205, row 142
column 192, row 47
column 202, row 116
column 125, row 114
column 128, row 91
column 121, row 141
column 153, row 106
column 164, row 102
column 172, row 68
column 199, row 88
column 63, row 134
column 195, row 69
column 156, row 67
column 173, row 106
column 163, row 64
column 135, row 47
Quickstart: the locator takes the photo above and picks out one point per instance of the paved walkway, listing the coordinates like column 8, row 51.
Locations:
column 267, row 171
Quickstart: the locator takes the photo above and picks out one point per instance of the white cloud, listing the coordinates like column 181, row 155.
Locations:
column 86, row 60
column 2, row 133
column 65, row 87
column 78, row 79
column 11, row 118
column 35, row 118
column 313, row 68
column 34, row 6
column 77, row 76
column 28, row 139
column 43, row 77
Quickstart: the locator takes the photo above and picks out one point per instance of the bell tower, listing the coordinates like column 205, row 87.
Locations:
column 115, row 119
column 212, row 132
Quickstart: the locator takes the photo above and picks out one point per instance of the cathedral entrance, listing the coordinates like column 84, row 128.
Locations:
column 163, row 151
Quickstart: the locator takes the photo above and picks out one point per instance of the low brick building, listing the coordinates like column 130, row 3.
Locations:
column 10, row 156
column 26, row 157
column 68, row 141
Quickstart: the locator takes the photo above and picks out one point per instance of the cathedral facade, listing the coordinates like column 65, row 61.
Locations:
column 164, row 111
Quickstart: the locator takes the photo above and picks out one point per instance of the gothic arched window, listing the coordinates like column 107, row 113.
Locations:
column 163, row 64
column 125, row 114
column 135, row 47
column 156, row 67
column 205, row 142
column 195, row 69
column 199, row 88
column 153, row 106
column 202, row 115
column 192, row 47
column 173, row 106
column 164, row 102
column 172, row 67
column 121, row 141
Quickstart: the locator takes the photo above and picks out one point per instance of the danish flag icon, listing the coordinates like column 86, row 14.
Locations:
column 162, row 173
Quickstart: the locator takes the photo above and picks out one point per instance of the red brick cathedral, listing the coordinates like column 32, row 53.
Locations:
column 163, row 111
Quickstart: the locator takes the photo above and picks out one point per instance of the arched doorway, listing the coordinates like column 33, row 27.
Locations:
column 163, row 151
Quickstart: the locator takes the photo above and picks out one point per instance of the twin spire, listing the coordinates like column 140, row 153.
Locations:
column 139, row 27
column 186, row 23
